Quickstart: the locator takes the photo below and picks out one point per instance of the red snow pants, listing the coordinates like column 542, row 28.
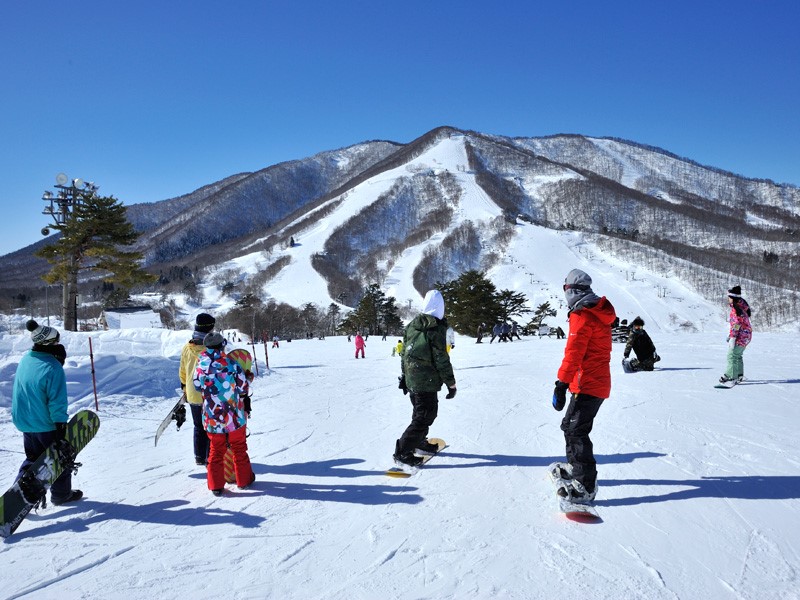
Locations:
column 216, row 458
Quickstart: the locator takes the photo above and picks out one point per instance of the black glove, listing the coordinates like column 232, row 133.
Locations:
column 179, row 415
column 61, row 432
column 402, row 384
column 560, row 395
column 247, row 405
column 626, row 355
column 451, row 393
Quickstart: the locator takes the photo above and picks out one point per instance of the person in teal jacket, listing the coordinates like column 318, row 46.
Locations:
column 39, row 404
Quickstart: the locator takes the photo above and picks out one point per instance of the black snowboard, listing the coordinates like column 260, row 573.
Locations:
column 32, row 487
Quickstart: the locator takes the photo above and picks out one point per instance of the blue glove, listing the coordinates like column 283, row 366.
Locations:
column 560, row 395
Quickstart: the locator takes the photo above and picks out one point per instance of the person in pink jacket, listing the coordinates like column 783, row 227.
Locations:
column 739, row 335
column 360, row 343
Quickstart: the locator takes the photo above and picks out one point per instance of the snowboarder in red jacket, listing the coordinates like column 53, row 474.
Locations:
column 585, row 372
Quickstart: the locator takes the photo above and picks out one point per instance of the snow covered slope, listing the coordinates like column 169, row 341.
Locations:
column 699, row 487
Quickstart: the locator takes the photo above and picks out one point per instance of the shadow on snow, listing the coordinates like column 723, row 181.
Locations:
column 753, row 487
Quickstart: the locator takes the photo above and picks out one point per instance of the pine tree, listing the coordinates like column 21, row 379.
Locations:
column 470, row 300
column 512, row 304
column 542, row 311
column 374, row 314
column 92, row 238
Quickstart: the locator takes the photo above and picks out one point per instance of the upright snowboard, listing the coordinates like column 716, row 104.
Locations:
column 245, row 360
column 177, row 414
column 585, row 513
column 402, row 472
column 32, row 487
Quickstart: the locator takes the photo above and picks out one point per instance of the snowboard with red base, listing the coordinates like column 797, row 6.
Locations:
column 407, row 471
column 582, row 513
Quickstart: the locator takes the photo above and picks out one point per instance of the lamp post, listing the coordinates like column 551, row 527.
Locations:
column 61, row 208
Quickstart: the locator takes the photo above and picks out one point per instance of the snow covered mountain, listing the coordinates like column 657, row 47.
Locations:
column 657, row 229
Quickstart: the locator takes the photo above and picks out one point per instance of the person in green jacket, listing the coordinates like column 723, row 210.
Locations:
column 426, row 366
column 39, row 404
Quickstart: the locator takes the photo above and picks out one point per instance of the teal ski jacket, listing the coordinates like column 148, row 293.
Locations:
column 39, row 396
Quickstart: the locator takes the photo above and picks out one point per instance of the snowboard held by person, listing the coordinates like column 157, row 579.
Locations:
column 585, row 372
column 39, row 405
column 425, row 368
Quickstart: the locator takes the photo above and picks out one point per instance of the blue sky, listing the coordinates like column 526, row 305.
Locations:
column 151, row 100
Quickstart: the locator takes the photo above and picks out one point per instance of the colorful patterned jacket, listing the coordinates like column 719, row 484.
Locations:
column 739, row 319
column 223, row 384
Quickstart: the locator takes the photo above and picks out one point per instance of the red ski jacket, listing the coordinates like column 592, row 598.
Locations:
column 588, row 352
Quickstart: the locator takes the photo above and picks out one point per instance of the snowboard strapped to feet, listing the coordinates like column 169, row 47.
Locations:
column 31, row 489
column 585, row 513
column 177, row 414
column 402, row 471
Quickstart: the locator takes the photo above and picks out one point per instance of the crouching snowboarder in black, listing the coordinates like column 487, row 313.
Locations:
column 642, row 345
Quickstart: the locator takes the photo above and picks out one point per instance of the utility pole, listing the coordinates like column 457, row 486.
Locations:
column 61, row 208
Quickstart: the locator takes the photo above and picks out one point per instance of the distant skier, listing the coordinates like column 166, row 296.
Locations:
column 425, row 367
column 360, row 344
column 497, row 331
column 480, row 334
column 585, row 372
column 398, row 349
column 39, row 404
column 639, row 341
column 226, row 404
column 739, row 335
column 203, row 325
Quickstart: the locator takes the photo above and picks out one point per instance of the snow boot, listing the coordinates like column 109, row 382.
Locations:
column 405, row 458
column 560, row 470
column 74, row 496
column 574, row 491
column 425, row 448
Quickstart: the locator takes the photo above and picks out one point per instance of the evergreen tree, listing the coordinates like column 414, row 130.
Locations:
column 470, row 300
column 374, row 314
column 92, row 238
column 512, row 304
column 540, row 314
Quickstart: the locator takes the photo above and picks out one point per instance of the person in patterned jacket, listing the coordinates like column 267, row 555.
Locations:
column 226, row 404
column 739, row 335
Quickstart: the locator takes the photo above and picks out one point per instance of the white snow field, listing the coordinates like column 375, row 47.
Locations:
column 699, row 487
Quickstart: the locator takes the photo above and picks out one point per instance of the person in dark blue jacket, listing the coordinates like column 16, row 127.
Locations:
column 39, row 404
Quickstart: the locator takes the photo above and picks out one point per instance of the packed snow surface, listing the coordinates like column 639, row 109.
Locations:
column 699, row 487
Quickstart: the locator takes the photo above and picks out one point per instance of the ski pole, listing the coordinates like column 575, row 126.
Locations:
column 94, row 381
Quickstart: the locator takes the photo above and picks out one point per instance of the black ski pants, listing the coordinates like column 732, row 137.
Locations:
column 426, row 407
column 200, row 435
column 35, row 444
column 577, row 425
